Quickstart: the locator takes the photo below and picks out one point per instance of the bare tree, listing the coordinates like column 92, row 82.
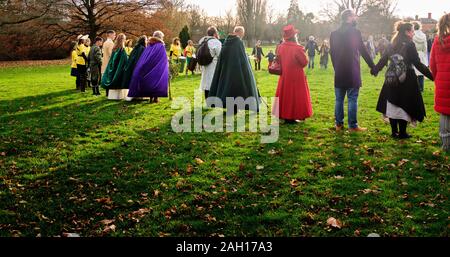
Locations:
column 13, row 12
column 252, row 15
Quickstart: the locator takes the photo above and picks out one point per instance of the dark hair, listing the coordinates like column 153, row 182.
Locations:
column 345, row 15
column 141, row 41
column 110, row 32
column 399, row 35
column 80, row 41
column 417, row 25
column 211, row 31
column 98, row 39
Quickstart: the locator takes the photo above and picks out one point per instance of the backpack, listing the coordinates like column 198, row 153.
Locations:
column 203, row 54
column 396, row 72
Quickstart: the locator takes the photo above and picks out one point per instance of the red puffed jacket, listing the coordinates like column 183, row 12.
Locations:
column 440, row 67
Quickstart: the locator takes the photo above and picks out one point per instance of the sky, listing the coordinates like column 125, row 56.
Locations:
column 405, row 8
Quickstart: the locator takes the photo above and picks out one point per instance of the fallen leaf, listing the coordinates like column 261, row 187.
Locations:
column 107, row 222
column 189, row 169
column 259, row 167
column 108, row 229
column 294, row 183
column 199, row 161
column 70, row 235
column 156, row 193
column 335, row 223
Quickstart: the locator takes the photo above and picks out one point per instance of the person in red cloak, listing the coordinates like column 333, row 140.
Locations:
column 293, row 102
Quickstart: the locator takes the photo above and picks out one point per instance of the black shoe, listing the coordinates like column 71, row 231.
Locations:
column 395, row 135
column 404, row 136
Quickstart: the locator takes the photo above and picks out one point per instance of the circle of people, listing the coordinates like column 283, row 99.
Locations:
column 142, row 72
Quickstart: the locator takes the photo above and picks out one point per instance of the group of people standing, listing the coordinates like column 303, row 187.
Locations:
column 227, row 72
column 140, row 72
column 400, row 100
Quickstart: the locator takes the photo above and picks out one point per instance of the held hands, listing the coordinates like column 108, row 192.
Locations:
column 374, row 71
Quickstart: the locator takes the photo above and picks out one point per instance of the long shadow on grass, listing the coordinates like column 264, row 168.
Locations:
column 184, row 181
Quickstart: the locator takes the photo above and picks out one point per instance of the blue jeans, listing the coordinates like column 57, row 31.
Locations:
column 352, row 95
column 311, row 62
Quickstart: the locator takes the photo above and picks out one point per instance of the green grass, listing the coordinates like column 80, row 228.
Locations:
column 71, row 161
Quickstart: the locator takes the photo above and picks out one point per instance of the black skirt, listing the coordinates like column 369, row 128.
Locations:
column 407, row 96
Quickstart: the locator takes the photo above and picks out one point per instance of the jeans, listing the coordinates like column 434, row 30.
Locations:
column 352, row 95
column 421, row 81
column 444, row 132
column 311, row 62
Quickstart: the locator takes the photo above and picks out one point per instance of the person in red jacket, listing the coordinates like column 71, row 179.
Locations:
column 293, row 101
column 440, row 67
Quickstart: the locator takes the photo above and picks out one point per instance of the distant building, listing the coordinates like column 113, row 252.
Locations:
column 428, row 24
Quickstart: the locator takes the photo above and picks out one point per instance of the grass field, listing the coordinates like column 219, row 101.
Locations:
column 71, row 162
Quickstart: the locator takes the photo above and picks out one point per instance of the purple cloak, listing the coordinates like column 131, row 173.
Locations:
column 151, row 75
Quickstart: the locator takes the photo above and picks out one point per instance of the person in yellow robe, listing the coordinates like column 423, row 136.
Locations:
column 175, row 50
column 82, row 56
column 189, row 53
column 128, row 47
column 73, row 66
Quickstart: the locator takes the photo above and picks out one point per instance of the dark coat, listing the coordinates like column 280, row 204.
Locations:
column 312, row 47
column 347, row 47
column 406, row 95
column 113, row 76
column 258, row 51
column 131, row 64
column 233, row 76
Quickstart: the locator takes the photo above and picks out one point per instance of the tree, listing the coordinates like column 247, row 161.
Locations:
column 13, row 12
column 252, row 15
column 184, row 36
column 294, row 15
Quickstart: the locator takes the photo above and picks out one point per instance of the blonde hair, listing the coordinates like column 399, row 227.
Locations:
column 120, row 42
column 239, row 29
column 443, row 27
column 158, row 34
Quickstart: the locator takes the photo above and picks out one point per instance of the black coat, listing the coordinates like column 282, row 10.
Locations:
column 346, row 50
column 407, row 95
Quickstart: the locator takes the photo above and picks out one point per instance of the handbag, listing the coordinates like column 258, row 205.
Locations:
column 275, row 67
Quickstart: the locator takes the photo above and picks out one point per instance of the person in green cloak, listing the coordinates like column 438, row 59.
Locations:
column 112, row 79
column 233, row 86
column 132, row 61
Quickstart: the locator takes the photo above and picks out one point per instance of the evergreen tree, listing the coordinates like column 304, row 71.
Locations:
column 295, row 15
column 184, row 36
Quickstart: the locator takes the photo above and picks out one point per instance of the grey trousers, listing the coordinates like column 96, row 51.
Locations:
column 444, row 132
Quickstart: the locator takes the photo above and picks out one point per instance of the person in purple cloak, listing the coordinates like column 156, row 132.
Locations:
column 151, row 75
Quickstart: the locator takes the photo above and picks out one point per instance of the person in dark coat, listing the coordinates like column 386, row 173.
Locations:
column 311, row 48
column 233, row 79
column 95, row 65
column 324, row 54
column 346, row 48
column 402, row 103
column 258, row 54
column 135, row 54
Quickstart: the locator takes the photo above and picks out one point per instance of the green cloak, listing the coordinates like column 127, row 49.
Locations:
column 131, row 64
column 233, row 76
column 114, row 73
